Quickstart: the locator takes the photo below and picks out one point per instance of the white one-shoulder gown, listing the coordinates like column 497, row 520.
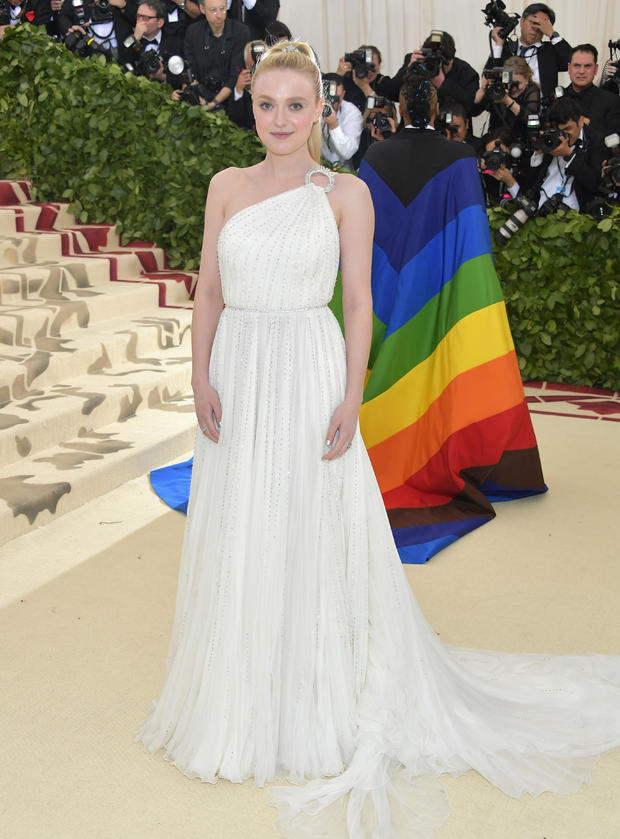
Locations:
column 298, row 651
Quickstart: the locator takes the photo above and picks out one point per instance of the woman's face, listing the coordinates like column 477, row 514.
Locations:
column 519, row 83
column 285, row 107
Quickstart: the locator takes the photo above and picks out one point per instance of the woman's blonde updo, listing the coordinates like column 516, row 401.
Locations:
column 299, row 56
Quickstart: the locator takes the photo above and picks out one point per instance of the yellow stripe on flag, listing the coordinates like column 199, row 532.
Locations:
column 476, row 339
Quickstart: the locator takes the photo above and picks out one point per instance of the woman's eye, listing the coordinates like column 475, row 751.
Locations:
column 265, row 106
column 296, row 106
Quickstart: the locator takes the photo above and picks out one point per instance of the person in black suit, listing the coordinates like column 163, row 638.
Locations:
column 239, row 105
column 460, row 79
column 601, row 107
column 150, row 35
column 110, row 26
column 179, row 14
column 546, row 58
column 571, row 173
column 36, row 12
column 214, row 51
column 255, row 14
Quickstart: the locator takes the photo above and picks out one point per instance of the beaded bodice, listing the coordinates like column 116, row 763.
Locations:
column 281, row 253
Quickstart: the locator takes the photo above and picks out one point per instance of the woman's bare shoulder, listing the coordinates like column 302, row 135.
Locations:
column 350, row 187
column 350, row 192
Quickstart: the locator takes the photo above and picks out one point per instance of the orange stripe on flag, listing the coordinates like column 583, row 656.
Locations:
column 472, row 396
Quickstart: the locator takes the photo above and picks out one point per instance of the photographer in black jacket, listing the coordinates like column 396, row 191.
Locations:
column 110, row 21
column 214, row 51
column 546, row 58
column 149, row 45
column 567, row 168
column 460, row 79
column 239, row 105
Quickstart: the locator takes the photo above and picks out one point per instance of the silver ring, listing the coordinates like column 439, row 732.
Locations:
column 204, row 429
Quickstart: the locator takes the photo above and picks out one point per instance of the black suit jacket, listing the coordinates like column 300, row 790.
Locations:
column 255, row 19
column 552, row 59
column 600, row 106
column 460, row 85
column 221, row 58
column 240, row 111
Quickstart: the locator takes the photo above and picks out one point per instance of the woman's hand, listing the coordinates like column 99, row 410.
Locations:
column 208, row 411
column 344, row 421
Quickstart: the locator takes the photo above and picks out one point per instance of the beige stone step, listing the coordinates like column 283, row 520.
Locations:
column 62, row 478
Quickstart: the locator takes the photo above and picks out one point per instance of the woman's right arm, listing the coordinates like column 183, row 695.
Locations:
column 208, row 306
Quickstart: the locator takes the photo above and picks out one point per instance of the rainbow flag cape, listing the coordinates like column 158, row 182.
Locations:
column 444, row 417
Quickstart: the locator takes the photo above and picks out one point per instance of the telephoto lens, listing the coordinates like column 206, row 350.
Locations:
column 526, row 210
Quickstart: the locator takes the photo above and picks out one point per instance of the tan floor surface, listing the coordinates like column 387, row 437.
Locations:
column 84, row 623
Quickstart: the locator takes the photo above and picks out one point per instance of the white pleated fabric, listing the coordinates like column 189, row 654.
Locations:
column 298, row 651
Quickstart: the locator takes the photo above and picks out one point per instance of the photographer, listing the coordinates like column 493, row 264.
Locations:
column 546, row 58
column 498, row 171
column 342, row 126
column 566, row 170
column 379, row 123
column 14, row 12
column 108, row 22
column 239, row 105
column 455, row 125
column 460, row 79
column 149, row 46
column 214, row 51
column 359, row 71
column 509, row 105
column 600, row 107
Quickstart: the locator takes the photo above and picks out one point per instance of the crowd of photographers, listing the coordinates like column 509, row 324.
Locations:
column 545, row 146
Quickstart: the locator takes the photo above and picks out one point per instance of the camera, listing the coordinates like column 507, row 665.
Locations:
column 433, row 56
column 256, row 51
column 549, row 139
column 551, row 205
column 500, row 82
column 381, row 123
column 144, row 62
column 84, row 45
column 495, row 14
column 526, row 209
column 495, row 159
column 443, row 123
column 614, row 48
column 330, row 96
column 373, row 102
column 361, row 62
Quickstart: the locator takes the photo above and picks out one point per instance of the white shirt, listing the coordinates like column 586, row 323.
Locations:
column 530, row 53
column 15, row 12
column 249, row 4
column 557, row 179
column 155, row 42
column 340, row 143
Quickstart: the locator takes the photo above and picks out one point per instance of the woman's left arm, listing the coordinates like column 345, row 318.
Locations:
column 356, row 226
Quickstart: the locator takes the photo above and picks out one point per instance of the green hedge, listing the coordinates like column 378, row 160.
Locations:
column 114, row 145
column 561, row 276
column 118, row 149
